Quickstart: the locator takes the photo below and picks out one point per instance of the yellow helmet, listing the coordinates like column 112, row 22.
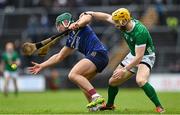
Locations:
column 121, row 14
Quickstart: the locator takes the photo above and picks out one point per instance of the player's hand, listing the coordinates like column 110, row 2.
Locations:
column 119, row 73
column 74, row 26
column 35, row 69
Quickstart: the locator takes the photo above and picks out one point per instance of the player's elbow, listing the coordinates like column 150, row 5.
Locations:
column 86, row 13
column 86, row 20
column 89, row 19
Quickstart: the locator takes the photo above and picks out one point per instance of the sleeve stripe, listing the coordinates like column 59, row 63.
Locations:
column 142, row 45
column 74, row 38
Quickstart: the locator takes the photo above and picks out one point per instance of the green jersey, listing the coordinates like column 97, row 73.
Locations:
column 137, row 37
column 9, row 59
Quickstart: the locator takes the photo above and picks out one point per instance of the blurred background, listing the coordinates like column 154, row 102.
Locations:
column 34, row 20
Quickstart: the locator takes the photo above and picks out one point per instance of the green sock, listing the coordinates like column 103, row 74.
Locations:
column 112, row 92
column 150, row 92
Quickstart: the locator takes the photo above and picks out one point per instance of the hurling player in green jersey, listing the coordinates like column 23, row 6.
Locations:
column 11, row 61
column 139, row 61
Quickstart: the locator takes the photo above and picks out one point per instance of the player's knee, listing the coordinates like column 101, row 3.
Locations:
column 112, row 82
column 72, row 76
column 141, row 82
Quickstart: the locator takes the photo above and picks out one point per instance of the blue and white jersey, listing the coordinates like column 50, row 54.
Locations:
column 85, row 41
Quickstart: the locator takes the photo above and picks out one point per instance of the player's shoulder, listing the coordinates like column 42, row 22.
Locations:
column 81, row 32
column 86, row 29
column 139, row 23
column 140, row 27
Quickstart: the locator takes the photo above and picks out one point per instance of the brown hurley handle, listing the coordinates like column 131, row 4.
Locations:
column 46, row 41
column 30, row 48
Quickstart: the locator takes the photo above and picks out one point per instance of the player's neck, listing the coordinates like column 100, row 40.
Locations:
column 130, row 26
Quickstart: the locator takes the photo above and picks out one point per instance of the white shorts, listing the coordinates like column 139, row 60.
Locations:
column 147, row 60
column 10, row 74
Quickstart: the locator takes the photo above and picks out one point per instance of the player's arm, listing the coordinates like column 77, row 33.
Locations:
column 86, row 17
column 139, row 50
column 101, row 16
column 65, row 51
column 140, row 47
column 81, row 22
column 84, row 20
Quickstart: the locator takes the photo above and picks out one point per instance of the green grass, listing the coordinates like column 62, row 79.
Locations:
column 73, row 102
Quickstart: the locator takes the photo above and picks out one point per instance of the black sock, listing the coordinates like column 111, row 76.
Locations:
column 112, row 92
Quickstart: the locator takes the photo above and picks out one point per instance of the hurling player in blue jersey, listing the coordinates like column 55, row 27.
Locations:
column 83, row 39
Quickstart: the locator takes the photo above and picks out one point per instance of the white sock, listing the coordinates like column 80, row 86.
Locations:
column 95, row 95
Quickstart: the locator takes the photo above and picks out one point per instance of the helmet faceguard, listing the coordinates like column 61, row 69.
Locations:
column 65, row 16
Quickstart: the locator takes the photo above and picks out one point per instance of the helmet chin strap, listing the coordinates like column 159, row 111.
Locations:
column 66, row 26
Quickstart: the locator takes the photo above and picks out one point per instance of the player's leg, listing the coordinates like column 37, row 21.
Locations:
column 113, row 88
column 142, row 76
column 14, row 78
column 89, row 77
column 89, row 98
column 77, row 75
column 114, row 82
column 15, row 86
column 100, row 60
column 6, row 82
column 78, row 71
column 85, row 70
column 87, row 95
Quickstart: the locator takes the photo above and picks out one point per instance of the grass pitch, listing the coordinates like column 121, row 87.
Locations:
column 128, row 101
